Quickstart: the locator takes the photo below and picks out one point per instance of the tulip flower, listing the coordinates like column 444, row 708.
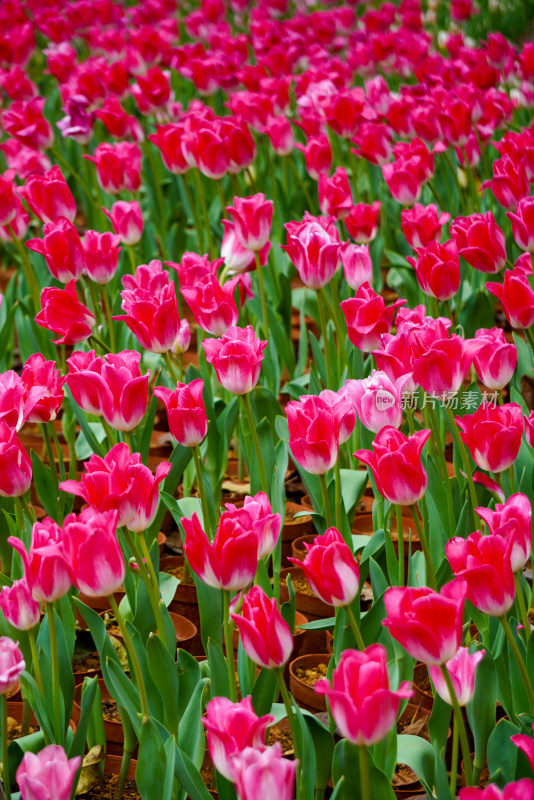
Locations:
column 26, row 123
column 47, row 775
column 362, row 222
column 357, row 265
column 331, row 569
column 265, row 635
column 512, row 520
column 377, row 400
column 461, row 669
column 485, row 564
column 186, row 412
column 8, row 198
column 335, row 195
column 110, row 386
column 12, row 665
column 264, row 772
column 361, row 701
column 15, row 464
column 252, row 218
column 313, row 434
column 63, row 314
column 510, row 182
column 314, row 248
column 43, row 389
column 523, row 224
column 518, row 790
column 422, row 225
column 317, row 155
column 516, row 296
column 257, row 515
column 230, row 728
column 280, row 133
column 395, row 461
column 236, row 358
column 46, row 569
column 239, row 259
column 441, row 370
column 168, row 139
column 480, row 241
column 127, row 220
column 437, row 269
column 18, row 605
column 101, row 252
column 496, row 360
column 49, row 196
column 212, row 305
column 62, row 248
column 526, row 744
column 368, row 318
column 93, row 551
column 342, row 407
column 493, row 435
column 427, row 624
column 118, row 166
column 11, row 399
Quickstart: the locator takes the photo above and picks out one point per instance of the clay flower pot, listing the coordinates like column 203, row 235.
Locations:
column 302, row 689
column 185, row 629
column 185, row 600
column 112, row 728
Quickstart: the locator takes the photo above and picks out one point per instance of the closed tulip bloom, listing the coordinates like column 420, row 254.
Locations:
column 313, row 434
column 462, row 670
column 405, row 179
column 426, row 623
column 12, row 665
column 264, row 633
column 63, row 314
column 236, row 358
column 62, row 249
column 12, row 399
column 229, row 562
column 43, row 389
column 335, row 194
column 280, row 133
column 342, row 408
column 121, row 482
column 257, row 515
column 230, row 728
column 110, row 386
column 516, row 296
column 168, row 139
column 186, row 412
column 93, row 551
column 493, row 435
column 213, row 306
column 314, row 248
column 360, row 699
column 264, row 772
column 437, row 269
column 331, row 569
column 422, row 225
column 443, row 368
column 25, row 121
column 485, row 564
column 368, row 317
column 518, row 790
column 523, row 224
column 101, row 251
column 15, row 464
column 362, row 222
column 496, row 360
column 509, row 183
column 153, row 317
column 18, row 606
column 46, row 569
column 48, row 774
column 252, row 218
column 480, row 241
column 8, row 198
column 317, row 155
column 377, row 400
column 49, row 196
column 127, row 220
column 512, row 520
column 395, row 461
column 118, row 166
column 183, row 340
column 357, row 265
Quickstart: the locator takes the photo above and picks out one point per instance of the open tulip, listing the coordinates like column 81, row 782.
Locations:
column 335, row 195
column 49, row 196
column 493, row 435
column 441, row 370
column 46, row 569
column 377, row 400
column 118, row 166
column 101, row 253
column 362, row 222
column 265, row 635
column 127, row 220
column 93, row 551
column 15, row 464
column 11, row 399
column 313, row 434
column 437, row 269
column 516, row 296
column 422, row 225
column 186, row 412
column 43, row 389
column 314, row 248
column 257, row 515
column 361, row 701
column 252, row 217
column 368, row 318
column 18, row 605
column 485, row 564
column 461, row 669
column 512, row 520
column 236, row 358
column 12, row 665
column 523, row 223
column 357, row 265
column 63, row 314
column 496, row 360
column 48, row 774
column 518, row 790
column 62, row 249
column 480, row 241
column 427, row 624
column 264, row 772
column 331, row 569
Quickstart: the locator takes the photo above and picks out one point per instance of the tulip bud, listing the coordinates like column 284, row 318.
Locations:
column 47, row 775
column 264, row 633
column 461, row 670
column 186, row 412
column 12, row 665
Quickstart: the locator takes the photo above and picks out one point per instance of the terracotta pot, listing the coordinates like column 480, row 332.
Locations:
column 309, row 605
column 295, row 527
column 297, row 546
column 15, row 710
column 81, row 674
column 185, row 601
column 303, row 693
column 422, row 688
column 414, row 720
column 112, row 766
column 112, row 729
column 185, row 630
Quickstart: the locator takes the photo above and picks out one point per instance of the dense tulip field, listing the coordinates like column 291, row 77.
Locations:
column 266, row 399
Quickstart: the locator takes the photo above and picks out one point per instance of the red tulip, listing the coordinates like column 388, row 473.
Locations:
column 62, row 248
column 331, row 569
column 335, row 194
column 186, row 412
column 127, row 220
column 18, row 606
column 461, row 669
column 46, row 569
column 427, row 624
column 12, row 665
column 442, row 369
column 118, row 123
column 236, row 358
column 47, row 775
column 168, row 138
column 118, row 166
column 422, row 225
column 280, row 133
column 368, row 318
column 101, row 253
column 8, row 198
column 480, row 241
column 496, row 360
column 15, row 464
column 493, row 435
column 257, row 515
column 360, row 699
column 252, row 218
column 264, row 772
column 518, row 790
column 395, row 461
column 313, row 434
column 523, row 223
column 437, row 269
column 26, row 123
column 516, row 296
column 43, row 389
column 63, row 314
column 314, row 248
column 377, row 400
column 49, row 196
column 317, row 154
column 152, row 90
column 485, row 564
column 12, row 399
column 509, row 183
column 93, row 551
column 362, row 222
column 264, row 633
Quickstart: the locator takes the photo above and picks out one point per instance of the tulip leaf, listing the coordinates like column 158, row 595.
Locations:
column 264, row 692
column 151, row 763
column 44, row 485
column 125, row 694
column 220, row 686
column 346, row 763
column 308, row 762
column 147, row 427
column 81, row 418
column 502, row 753
column 191, row 737
column 439, row 722
column 189, row 776
column 161, row 664
column 418, row 754
column 41, row 708
column 481, row 707
column 246, row 670
column 323, row 743
column 89, row 693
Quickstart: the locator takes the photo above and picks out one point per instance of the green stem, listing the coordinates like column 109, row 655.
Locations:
column 45, row 433
column 170, row 367
column 365, row 783
column 107, row 311
column 441, row 454
column 5, row 761
column 511, row 475
column 355, row 629
column 327, row 355
column 521, row 604
column 202, row 491
column 221, row 198
column 454, row 172
column 256, row 442
column 339, row 506
column 157, row 184
column 193, row 207
column 279, row 672
column 97, row 340
column 230, row 660
column 59, row 451
column 35, row 661
column 307, row 195
column 123, row 774
column 110, row 433
column 326, row 501
column 426, row 550
column 27, row 268
column 133, row 259
column 132, row 654
column 205, row 214
column 454, row 758
column 334, row 309
column 464, row 456
column 400, row 540
column 459, row 720
column 28, row 510
column 530, row 337
column 153, row 596
column 519, row 660
column 263, row 299
column 58, row 722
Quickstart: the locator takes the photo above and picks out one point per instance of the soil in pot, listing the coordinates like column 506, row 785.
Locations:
column 105, row 789
column 422, row 687
column 405, row 782
column 304, row 672
column 281, row 733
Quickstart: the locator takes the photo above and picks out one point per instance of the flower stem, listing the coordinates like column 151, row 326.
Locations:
column 131, row 652
column 400, row 540
column 28, row 510
column 441, row 454
column 153, row 595
column 35, row 661
column 355, row 629
column 45, row 433
column 5, row 761
column 459, row 721
column 465, row 458
column 230, row 660
column 202, row 491
column 326, row 501
column 256, row 442
column 327, row 358
column 426, row 550
column 454, row 758
column 279, row 672
column 519, row 660
column 521, row 604
column 339, row 506
column 170, row 367
column 261, row 285
column 364, row 772
column 107, row 310
column 58, row 722
column 205, row 215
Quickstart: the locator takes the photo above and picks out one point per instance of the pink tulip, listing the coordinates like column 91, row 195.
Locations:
column 110, row 386
column 101, row 251
column 63, row 314
column 526, row 744
column 11, row 399
column 257, row 515
column 127, row 220
column 8, row 198
column 47, row 775
column 264, row 633
column 236, row 358
column 212, row 305
column 342, row 408
column 422, row 225
column 118, row 166
column 314, row 248
column 313, row 434
column 512, row 520
column 427, row 624
column 523, row 224
column 46, row 569
column 93, row 551
column 15, row 464
column 357, row 265
column 252, row 217
column 43, row 389
column 496, row 360
column 18, row 605
column 12, row 665
column 461, row 669
column 518, row 790
column 480, row 241
column 377, row 400
column 437, row 269
column 230, row 728
column 485, row 564
column 62, row 248
column 331, row 569
column 49, row 196
column 360, row 699
column 368, row 318
column 264, row 772
column 229, row 562
column 516, row 296
column 335, row 195
column 186, row 412
column 493, row 435
column 442, row 369
column 362, row 222
column 121, row 482
column 26, row 123
column 317, row 154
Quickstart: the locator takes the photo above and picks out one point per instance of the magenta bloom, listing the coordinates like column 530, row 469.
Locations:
column 493, row 435
column 186, row 412
column 512, row 520
column 63, row 314
column 314, row 248
column 480, row 241
column 437, row 269
column 101, row 251
column 441, row 370
column 335, row 195
column 252, row 217
column 47, row 775
column 523, row 223
column 516, row 296
column 127, row 220
column 18, row 605
column 93, row 551
column 496, row 360
column 422, row 225
column 264, row 632
column 377, row 400
column 46, row 569
column 313, row 434
column 11, row 665
column 62, row 249
column 257, row 515
column 118, row 166
column 331, row 569
column 49, row 196
column 264, row 772
column 236, row 358
column 368, row 318
column 43, row 389
column 361, row 701
column 461, row 669
column 15, row 464
column 518, row 790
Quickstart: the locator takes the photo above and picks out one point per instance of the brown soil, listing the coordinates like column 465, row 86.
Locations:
column 413, row 725
column 423, row 682
column 14, row 729
column 110, row 711
column 275, row 734
column 86, row 663
column 206, row 773
column 179, row 572
column 403, row 775
column 291, row 514
column 311, row 675
column 302, row 586
column 106, row 790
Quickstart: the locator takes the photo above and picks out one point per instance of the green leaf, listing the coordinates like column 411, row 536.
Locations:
column 418, row 754
column 44, row 485
column 161, row 664
column 191, row 731
column 189, row 776
column 151, row 769
column 220, row 686
column 264, row 691
column 89, row 693
column 502, row 753
column 481, row 708
column 346, row 763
